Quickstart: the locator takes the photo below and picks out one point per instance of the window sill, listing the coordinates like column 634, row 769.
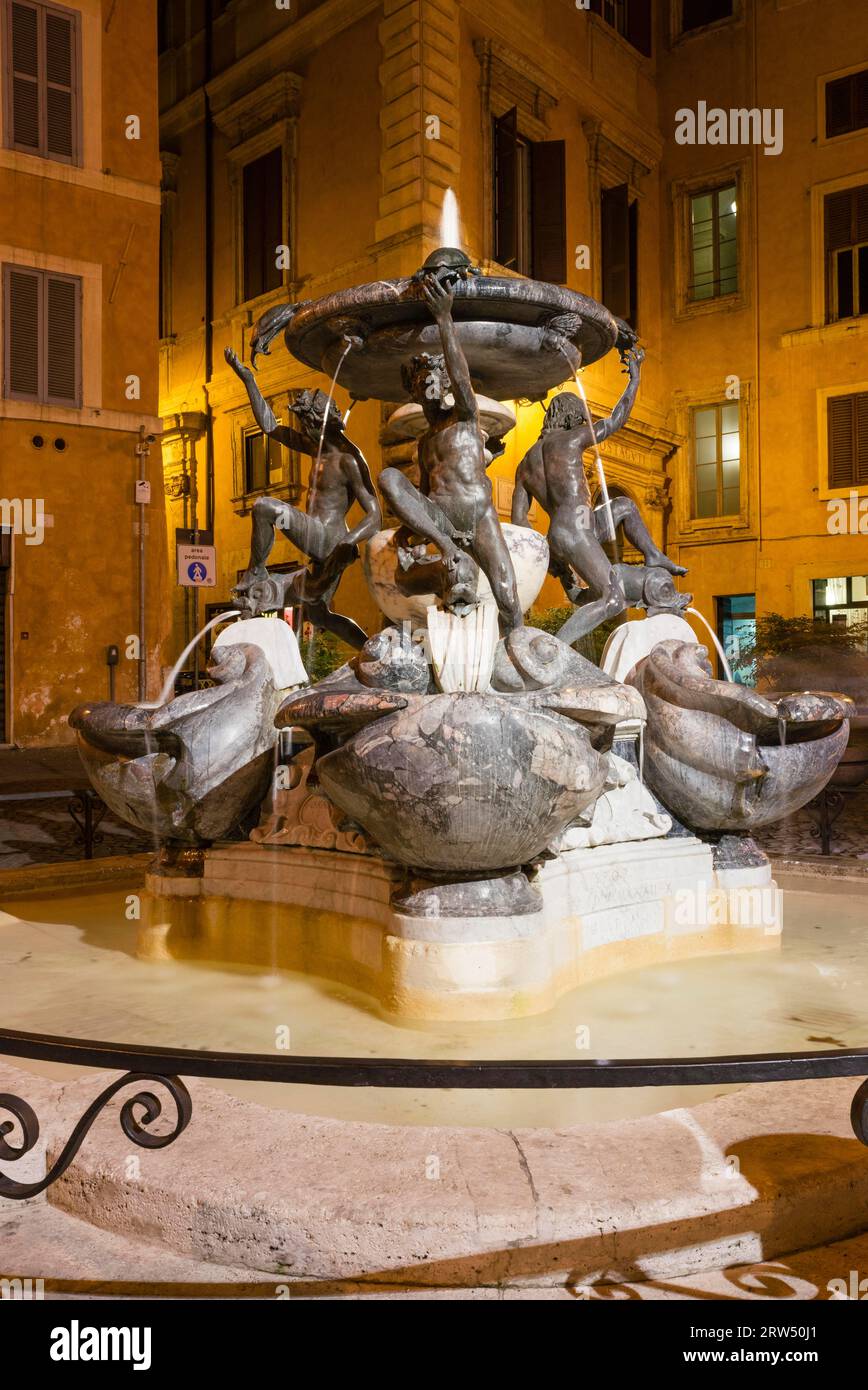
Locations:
column 721, row 304
column 243, row 504
column 839, row 331
column 620, row 40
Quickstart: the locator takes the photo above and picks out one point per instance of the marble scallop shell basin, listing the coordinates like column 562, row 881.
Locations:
column 530, row 560
column 521, row 337
column 464, row 781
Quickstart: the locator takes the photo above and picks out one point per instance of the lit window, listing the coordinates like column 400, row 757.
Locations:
column 716, row 442
column 262, row 462
column 713, row 243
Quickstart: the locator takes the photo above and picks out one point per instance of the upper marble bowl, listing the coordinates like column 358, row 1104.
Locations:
column 521, row 337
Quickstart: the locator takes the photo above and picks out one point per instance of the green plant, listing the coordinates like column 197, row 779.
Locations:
column 781, row 645
column 323, row 654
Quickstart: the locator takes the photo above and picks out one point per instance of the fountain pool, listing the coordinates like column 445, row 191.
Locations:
column 70, row 967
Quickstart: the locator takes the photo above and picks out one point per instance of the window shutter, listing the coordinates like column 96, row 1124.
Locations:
column 549, row 201
column 861, row 468
column 62, row 316
column 639, row 25
column 842, row 420
column 24, row 77
column 59, row 79
column 506, row 192
column 22, row 295
column 615, row 231
column 839, row 220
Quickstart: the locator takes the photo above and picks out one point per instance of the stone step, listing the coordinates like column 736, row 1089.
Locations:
column 747, row 1177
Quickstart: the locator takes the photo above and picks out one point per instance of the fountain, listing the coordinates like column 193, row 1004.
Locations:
column 462, row 805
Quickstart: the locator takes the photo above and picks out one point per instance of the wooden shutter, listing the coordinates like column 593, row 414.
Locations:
column 42, row 333
column 22, row 297
column 59, row 85
column 639, row 20
column 506, row 190
column 549, row 216
column 846, row 224
column 62, row 339
column 615, row 237
column 42, row 79
column 862, row 437
column 847, row 104
column 848, row 440
column 23, row 77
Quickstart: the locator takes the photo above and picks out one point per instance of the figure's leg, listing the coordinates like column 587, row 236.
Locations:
column 322, row 617
column 492, row 555
column 605, row 593
column 625, row 513
column 419, row 513
column 269, row 514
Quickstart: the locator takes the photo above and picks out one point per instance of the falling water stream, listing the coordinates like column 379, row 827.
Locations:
column 716, row 640
column 169, row 684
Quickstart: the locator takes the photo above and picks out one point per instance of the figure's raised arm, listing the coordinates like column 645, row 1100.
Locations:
column 262, row 412
column 440, row 301
column 358, row 476
column 633, row 357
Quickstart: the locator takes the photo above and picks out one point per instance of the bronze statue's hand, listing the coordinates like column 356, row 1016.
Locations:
column 440, row 299
column 633, row 358
column 236, row 364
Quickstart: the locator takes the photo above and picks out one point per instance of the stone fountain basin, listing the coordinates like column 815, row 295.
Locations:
column 505, row 328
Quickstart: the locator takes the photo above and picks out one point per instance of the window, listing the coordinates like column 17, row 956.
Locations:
column 846, row 236
column 848, row 440
column 713, row 243
column 530, row 231
column 695, row 14
column 262, row 223
column 262, row 462
column 42, row 81
column 847, row 104
column 630, row 18
column 716, row 460
column 619, row 230
column 42, row 336
column 736, row 628
column 842, row 601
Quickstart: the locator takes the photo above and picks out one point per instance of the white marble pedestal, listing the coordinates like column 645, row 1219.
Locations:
column 329, row 913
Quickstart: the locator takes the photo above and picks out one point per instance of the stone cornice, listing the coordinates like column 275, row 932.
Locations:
column 261, row 107
column 286, row 47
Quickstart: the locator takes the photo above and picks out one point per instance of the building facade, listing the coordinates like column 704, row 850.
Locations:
column 701, row 166
column 82, row 563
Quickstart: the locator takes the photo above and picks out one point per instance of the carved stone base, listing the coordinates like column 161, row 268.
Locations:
column 505, row 895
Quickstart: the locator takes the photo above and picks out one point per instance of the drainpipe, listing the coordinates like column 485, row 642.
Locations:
column 143, row 450
column 209, row 272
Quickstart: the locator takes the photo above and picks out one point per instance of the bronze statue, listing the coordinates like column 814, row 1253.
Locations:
column 553, row 474
column 454, row 507
column 339, row 478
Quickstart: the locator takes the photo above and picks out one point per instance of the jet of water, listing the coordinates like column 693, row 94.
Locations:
column 450, row 221
column 169, row 683
column 716, row 640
